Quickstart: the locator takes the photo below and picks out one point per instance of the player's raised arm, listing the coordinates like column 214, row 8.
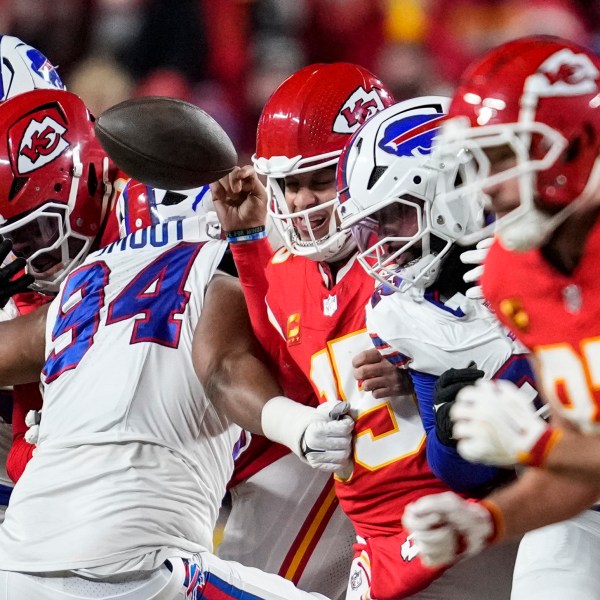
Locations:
column 240, row 199
column 22, row 348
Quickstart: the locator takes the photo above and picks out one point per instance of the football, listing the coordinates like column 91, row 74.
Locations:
column 165, row 142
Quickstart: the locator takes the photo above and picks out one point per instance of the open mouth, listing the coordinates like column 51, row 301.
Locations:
column 317, row 224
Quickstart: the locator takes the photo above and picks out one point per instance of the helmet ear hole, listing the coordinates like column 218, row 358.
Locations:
column 573, row 150
column 173, row 198
column 376, row 173
column 92, row 181
column 17, row 185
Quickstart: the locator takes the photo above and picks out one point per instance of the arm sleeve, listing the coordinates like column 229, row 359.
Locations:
column 445, row 462
column 25, row 398
column 251, row 259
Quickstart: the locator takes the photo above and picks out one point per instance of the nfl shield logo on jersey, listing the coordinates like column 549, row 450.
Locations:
column 330, row 306
column 356, row 579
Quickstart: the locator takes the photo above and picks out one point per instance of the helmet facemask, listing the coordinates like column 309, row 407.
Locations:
column 399, row 246
column 525, row 226
column 388, row 185
column 50, row 248
column 335, row 244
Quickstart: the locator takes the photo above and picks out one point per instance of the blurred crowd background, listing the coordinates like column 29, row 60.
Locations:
column 227, row 56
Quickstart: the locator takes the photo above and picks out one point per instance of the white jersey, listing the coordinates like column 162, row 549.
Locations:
column 132, row 459
column 5, row 482
column 430, row 336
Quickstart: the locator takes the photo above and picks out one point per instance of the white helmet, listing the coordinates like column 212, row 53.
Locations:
column 140, row 205
column 23, row 68
column 387, row 184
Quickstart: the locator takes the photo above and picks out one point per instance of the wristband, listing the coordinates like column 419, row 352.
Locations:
column 284, row 421
column 497, row 520
column 246, row 235
column 537, row 455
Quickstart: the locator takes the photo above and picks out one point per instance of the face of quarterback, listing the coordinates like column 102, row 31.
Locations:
column 308, row 190
column 504, row 196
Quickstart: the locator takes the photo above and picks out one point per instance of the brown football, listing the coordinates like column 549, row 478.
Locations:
column 165, row 142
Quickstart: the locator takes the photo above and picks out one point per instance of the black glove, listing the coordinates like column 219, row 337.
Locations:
column 9, row 288
column 446, row 387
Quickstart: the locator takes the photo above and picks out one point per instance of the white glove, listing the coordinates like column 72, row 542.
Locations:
column 446, row 528
column 327, row 444
column 495, row 423
column 321, row 437
column 32, row 420
column 476, row 257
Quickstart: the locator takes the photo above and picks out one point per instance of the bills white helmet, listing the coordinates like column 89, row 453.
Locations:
column 23, row 68
column 140, row 205
column 387, row 186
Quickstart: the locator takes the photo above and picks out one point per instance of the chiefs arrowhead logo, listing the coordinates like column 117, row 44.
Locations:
column 564, row 74
column 408, row 549
column 359, row 106
column 41, row 143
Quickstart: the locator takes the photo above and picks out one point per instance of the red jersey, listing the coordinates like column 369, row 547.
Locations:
column 557, row 317
column 323, row 323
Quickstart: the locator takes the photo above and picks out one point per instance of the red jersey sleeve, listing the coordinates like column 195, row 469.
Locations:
column 25, row 398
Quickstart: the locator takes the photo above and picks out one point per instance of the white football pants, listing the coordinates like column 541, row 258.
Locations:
column 206, row 577
column 560, row 561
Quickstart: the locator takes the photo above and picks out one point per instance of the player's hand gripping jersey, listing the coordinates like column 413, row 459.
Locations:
column 558, row 323
column 324, row 330
column 114, row 434
column 430, row 336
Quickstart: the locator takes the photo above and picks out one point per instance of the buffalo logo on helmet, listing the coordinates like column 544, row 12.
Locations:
column 44, row 68
column 41, row 143
column 411, row 136
column 359, row 106
column 564, row 74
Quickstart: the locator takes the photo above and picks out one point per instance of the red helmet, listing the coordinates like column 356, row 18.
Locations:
column 540, row 97
column 304, row 127
column 54, row 182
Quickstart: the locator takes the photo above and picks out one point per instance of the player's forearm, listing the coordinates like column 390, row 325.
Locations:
column 540, row 498
column 241, row 386
column 22, row 348
column 575, row 454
